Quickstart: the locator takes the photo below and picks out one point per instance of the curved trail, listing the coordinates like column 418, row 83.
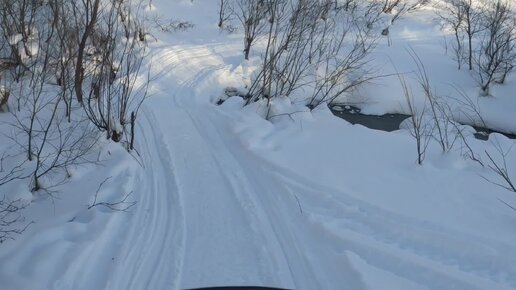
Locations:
column 230, row 238
column 234, row 219
column 212, row 213
column 153, row 250
column 331, row 229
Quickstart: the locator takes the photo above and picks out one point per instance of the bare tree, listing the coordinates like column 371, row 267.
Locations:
column 397, row 8
column 452, row 14
column 10, row 172
column 119, row 205
column 313, row 46
column 250, row 14
column 500, row 169
column 345, row 56
column 63, row 54
column 18, row 28
column 104, row 44
column 11, row 221
column 498, row 165
column 472, row 26
column 443, row 129
column 280, row 39
column 389, row 5
column 52, row 145
column 87, row 11
column 52, row 53
column 497, row 54
column 418, row 126
column 112, row 101
column 224, row 12
column 464, row 17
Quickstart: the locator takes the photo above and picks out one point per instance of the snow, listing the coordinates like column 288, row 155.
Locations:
column 301, row 201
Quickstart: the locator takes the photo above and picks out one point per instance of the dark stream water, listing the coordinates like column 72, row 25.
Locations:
column 387, row 122
column 391, row 122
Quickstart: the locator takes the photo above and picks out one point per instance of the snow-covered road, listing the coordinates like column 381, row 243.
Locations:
column 213, row 214
column 213, row 211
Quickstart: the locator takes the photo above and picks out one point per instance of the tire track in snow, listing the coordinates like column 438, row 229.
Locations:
column 389, row 241
column 156, row 239
column 226, row 242
column 186, row 89
column 177, row 63
column 444, row 249
column 343, row 225
column 152, row 256
column 304, row 256
column 367, row 228
column 182, row 66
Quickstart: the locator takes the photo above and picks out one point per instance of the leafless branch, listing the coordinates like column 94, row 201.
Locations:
column 120, row 205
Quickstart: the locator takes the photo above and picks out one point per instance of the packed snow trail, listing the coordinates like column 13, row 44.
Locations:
column 211, row 212
column 225, row 217
column 152, row 250
column 229, row 236
column 218, row 215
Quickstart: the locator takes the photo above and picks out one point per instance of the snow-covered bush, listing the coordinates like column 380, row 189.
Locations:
column 496, row 56
column 315, row 48
column 251, row 14
column 171, row 25
column 483, row 38
column 74, row 70
column 11, row 220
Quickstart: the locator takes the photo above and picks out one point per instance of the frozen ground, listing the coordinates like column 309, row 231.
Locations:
column 228, row 198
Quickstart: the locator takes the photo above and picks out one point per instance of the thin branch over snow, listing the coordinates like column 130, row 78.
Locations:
column 119, row 205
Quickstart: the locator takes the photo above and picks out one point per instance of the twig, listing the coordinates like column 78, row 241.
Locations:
column 121, row 205
column 507, row 204
column 298, row 203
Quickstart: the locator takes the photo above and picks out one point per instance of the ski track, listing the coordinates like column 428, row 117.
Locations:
column 181, row 218
column 238, row 237
column 409, row 249
column 152, row 258
column 201, row 190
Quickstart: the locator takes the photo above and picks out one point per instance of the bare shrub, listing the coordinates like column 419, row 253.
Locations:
column 500, row 169
column 452, row 14
column 400, row 7
column 484, row 38
column 418, row 127
column 498, row 165
column 496, row 55
column 116, row 89
column 250, row 14
column 119, row 205
column 12, row 222
column 444, row 131
column 315, row 49
column 171, row 25
column 224, row 13
column 90, row 51
column 464, row 17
